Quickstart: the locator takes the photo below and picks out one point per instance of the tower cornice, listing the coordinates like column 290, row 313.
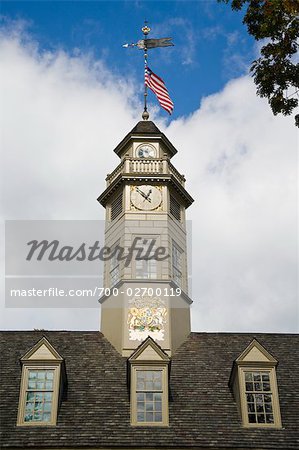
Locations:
column 159, row 178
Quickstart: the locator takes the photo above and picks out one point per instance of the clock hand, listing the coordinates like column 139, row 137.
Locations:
column 143, row 194
column 148, row 194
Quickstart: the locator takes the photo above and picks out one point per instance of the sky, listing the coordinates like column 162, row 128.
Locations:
column 70, row 93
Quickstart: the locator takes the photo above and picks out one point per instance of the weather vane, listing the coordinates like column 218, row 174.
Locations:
column 151, row 80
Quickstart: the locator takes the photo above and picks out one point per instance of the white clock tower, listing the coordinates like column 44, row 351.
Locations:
column 145, row 201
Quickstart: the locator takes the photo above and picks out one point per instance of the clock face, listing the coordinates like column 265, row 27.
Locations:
column 146, row 197
column 146, row 151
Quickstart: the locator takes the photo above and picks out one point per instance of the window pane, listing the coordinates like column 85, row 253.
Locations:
column 251, row 407
column 46, row 417
column 30, row 396
column 28, row 417
column 149, row 397
column 158, row 417
column 38, row 404
column 149, row 402
column 37, row 416
column 47, row 406
column 158, row 406
column 149, row 406
column 140, row 417
column 140, row 406
column 268, row 407
column 250, row 398
column 157, row 385
column 259, row 398
column 48, row 396
column 259, row 404
column 149, row 417
column 248, row 376
column 259, row 408
column 29, row 406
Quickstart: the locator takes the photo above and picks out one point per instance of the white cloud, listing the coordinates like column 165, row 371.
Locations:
column 62, row 116
column 244, row 220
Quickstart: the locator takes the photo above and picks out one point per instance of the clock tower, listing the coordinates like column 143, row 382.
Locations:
column 146, row 276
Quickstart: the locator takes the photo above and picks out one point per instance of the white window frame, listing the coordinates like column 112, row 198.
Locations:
column 273, row 391
column 26, row 368
column 165, row 416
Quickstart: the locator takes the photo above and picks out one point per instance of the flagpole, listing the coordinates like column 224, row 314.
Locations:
column 145, row 30
column 151, row 80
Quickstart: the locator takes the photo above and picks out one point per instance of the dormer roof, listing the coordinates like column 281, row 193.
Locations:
column 42, row 351
column 149, row 350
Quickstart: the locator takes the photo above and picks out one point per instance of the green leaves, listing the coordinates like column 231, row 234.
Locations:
column 276, row 72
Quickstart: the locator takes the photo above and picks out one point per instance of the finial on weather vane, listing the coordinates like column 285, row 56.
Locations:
column 151, row 80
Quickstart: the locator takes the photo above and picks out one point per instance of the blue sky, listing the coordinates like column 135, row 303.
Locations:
column 211, row 43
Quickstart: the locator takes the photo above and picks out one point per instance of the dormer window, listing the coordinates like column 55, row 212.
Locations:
column 254, row 384
column 149, row 396
column 259, row 396
column 40, row 385
column 149, row 385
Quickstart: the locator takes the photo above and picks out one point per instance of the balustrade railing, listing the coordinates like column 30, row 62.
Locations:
column 148, row 166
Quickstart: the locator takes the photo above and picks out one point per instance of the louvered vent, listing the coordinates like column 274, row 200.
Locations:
column 175, row 208
column 116, row 207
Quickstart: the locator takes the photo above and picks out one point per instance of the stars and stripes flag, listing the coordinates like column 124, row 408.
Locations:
column 157, row 85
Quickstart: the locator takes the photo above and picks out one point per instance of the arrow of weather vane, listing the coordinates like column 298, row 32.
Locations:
column 151, row 80
column 151, row 43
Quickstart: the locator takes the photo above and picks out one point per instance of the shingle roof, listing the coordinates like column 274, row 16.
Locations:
column 145, row 128
column 203, row 413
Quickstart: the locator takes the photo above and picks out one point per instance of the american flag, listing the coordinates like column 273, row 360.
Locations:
column 157, row 85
